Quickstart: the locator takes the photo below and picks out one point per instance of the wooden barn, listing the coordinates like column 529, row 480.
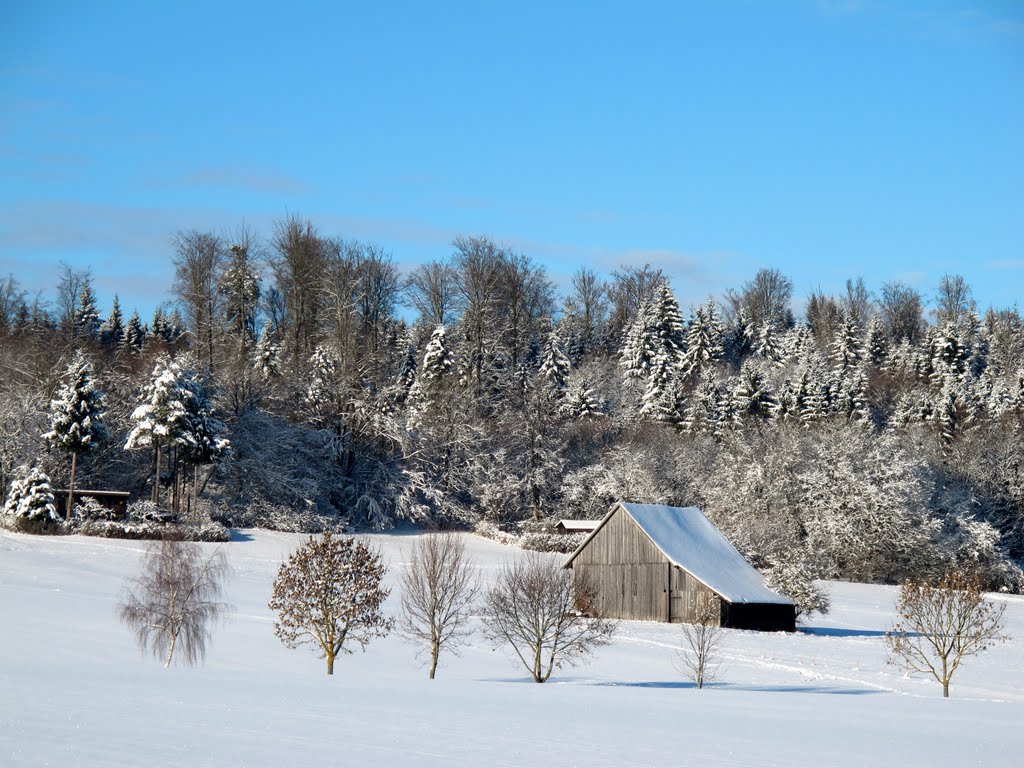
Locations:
column 659, row 563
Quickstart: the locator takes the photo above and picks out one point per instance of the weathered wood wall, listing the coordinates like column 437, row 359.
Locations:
column 690, row 598
column 634, row 580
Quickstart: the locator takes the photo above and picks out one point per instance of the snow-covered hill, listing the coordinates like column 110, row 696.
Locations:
column 74, row 690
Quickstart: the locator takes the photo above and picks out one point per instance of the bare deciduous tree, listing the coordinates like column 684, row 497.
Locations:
column 765, row 299
column 198, row 257
column 328, row 594
column 702, row 642
column 901, row 310
column 629, row 289
column 588, row 302
column 954, row 300
column 438, row 590
column 300, row 262
column 550, row 621
column 175, row 599
column 940, row 624
column 431, row 290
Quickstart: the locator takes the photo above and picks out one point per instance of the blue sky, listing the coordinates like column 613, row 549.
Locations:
column 826, row 138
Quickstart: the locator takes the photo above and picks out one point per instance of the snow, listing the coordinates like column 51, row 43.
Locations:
column 74, row 690
column 688, row 539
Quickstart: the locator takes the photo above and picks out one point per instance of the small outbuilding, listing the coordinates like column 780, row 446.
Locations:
column 115, row 501
column 576, row 526
column 659, row 563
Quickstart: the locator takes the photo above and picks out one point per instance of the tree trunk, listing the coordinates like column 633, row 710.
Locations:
column 434, row 652
column 330, row 663
column 170, row 651
column 156, row 482
column 194, row 506
column 71, row 486
column 175, row 479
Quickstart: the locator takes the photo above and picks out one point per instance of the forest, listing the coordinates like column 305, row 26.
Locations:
column 298, row 381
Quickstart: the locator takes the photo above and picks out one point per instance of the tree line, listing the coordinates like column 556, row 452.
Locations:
column 308, row 383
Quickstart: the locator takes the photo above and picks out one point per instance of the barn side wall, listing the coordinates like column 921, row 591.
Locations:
column 634, row 580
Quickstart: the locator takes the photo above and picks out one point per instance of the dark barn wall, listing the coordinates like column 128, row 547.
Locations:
column 764, row 617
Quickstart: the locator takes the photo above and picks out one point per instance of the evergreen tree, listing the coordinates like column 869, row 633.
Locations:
column 554, row 367
column 659, row 401
column 579, row 402
column 112, row 330
column 751, row 395
column 76, row 418
column 175, row 326
column 797, row 343
column 741, row 335
column 949, row 353
column 846, row 347
column 808, row 400
column 704, row 413
column 200, row 441
column 877, row 341
column 267, row 358
column 854, row 396
column 87, row 317
column 31, row 498
column 703, row 340
column 323, row 395
column 637, row 351
column 767, row 347
column 239, row 284
column 134, row 334
column 408, row 372
column 657, row 333
column 162, row 417
column 437, row 362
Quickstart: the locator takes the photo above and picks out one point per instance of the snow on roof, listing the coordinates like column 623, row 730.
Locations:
column 692, row 542
column 579, row 525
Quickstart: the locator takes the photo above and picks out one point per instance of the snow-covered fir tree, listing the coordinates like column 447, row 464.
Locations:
column 408, row 372
column 751, row 395
column 267, row 357
column 767, row 347
column 239, row 284
column 162, row 417
column 660, row 402
column 134, row 334
column 579, row 401
column 437, row 360
column 704, row 412
column 76, row 417
column 657, row 330
column 847, row 347
column 876, row 344
column 554, row 366
column 703, row 340
column 949, row 354
column 323, row 393
column 31, row 497
column 87, row 316
column 112, row 330
column 854, row 396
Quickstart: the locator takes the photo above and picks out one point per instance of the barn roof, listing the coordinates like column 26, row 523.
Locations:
column 689, row 540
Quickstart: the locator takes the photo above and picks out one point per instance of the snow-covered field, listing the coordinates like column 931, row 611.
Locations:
column 74, row 689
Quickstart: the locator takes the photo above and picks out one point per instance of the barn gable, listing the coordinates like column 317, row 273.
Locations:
column 656, row 562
